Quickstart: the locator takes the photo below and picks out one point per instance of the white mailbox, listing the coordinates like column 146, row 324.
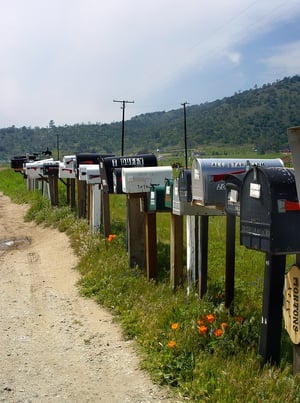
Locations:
column 34, row 170
column 82, row 171
column 140, row 180
column 93, row 174
column 67, row 167
column 208, row 177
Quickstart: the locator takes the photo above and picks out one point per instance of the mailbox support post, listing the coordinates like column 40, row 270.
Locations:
column 192, row 239
column 136, row 231
column 105, row 213
column 53, row 189
column 151, row 245
column 230, row 261
column 176, row 252
column 271, row 323
column 81, row 189
column 203, row 255
column 71, row 192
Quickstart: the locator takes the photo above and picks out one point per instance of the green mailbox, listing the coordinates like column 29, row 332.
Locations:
column 157, row 199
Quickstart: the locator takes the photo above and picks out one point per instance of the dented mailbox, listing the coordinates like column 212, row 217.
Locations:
column 208, row 184
column 111, row 163
column 140, row 180
column 270, row 213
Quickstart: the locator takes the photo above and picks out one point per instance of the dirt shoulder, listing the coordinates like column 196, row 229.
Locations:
column 56, row 346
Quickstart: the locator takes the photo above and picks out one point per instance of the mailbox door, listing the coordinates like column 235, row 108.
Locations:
column 185, row 185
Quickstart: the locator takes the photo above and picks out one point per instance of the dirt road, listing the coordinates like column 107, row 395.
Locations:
column 56, row 346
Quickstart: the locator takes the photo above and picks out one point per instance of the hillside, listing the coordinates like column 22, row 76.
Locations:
column 258, row 117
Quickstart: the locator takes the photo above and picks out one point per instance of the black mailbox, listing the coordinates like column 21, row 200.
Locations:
column 232, row 193
column 18, row 161
column 51, row 169
column 86, row 159
column 108, row 164
column 270, row 213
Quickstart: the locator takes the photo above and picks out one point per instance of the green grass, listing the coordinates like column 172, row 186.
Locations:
column 197, row 364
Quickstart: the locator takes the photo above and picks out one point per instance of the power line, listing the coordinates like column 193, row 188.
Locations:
column 123, row 120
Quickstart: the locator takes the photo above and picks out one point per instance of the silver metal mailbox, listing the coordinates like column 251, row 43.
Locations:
column 93, row 175
column 140, row 180
column 208, row 184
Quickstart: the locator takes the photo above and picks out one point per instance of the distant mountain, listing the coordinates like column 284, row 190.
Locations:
column 258, row 117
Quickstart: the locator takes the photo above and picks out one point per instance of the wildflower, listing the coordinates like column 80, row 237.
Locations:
column 202, row 329
column 200, row 322
column 172, row 344
column 218, row 332
column 174, row 326
column 240, row 319
column 223, row 325
column 210, row 318
column 111, row 237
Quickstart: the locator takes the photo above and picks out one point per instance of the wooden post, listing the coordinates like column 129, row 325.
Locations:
column 203, row 255
column 136, row 231
column 105, row 213
column 81, row 193
column 192, row 239
column 151, row 245
column 96, row 208
column 176, row 251
column 71, row 185
column 53, row 189
column 230, row 261
column 271, row 322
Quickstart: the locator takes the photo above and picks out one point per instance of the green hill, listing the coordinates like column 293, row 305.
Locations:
column 257, row 118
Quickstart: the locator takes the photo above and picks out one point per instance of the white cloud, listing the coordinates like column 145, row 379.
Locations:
column 67, row 60
column 285, row 59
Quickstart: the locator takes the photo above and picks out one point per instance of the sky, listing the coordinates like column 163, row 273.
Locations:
column 67, row 61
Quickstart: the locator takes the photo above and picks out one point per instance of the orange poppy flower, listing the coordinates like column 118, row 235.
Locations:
column 218, row 332
column 210, row 318
column 174, row 326
column 172, row 344
column 202, row 329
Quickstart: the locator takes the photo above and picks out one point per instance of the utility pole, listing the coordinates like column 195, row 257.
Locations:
column 123, row 120
column 185, row 139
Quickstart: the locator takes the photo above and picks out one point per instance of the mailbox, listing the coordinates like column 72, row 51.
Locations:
column 83, row 169
column 51, row 168
column 18, row 161
column 93, row 174
column 185, row 185
column 140, row 180
column 108, row 164
column 156, row 200
column 86, row 159
column 34, row 170
column 208, row 184
column 270, row 213
column 232, row 193
column 67, row 167
column 180, row 207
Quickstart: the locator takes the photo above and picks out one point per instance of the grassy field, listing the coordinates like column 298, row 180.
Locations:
column 196, row 347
